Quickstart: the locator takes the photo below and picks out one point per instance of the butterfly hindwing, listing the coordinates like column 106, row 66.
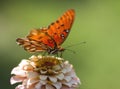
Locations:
column 37, row 40
column 41, row 36
column 30, row 46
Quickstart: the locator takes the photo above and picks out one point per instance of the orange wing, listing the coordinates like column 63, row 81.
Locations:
column 60, row 29
column 37, row 40
column 49, row 38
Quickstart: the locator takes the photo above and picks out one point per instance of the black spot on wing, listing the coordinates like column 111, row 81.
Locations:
column 57, row 21
column 55, row 33
column 58, row 27
column 50, row 25
column 62, row 25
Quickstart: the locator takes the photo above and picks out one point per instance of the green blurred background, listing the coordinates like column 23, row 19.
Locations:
column 97, row 63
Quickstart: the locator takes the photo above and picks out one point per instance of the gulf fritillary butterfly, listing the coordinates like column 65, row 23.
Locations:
column 49, row 39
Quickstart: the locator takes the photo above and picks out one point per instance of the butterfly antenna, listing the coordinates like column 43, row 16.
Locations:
column 76, row 44
column 66, row 48
column 71, row 51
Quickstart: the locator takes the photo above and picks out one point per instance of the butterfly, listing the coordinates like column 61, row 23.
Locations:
column 49, row 39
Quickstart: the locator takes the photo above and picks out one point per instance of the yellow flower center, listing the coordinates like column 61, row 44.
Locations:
column 47, row 64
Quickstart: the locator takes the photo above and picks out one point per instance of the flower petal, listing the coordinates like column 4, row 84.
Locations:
column 72, row 83
column 71, row 73
column 60, row 76
column 32, row 81
column 24, row 62
column 16, row 79
column 67, row 78
column 49, row 87
column 68, row 67
column 77, row 80
column 43, row 77
column 43, row 82
column 20, row 87
column 64, row 70
column 38, row 86
column 43, row 72
column 53, row 79
column 32, row 74
column 18, row 71
column 58, row 85
column 66, row 87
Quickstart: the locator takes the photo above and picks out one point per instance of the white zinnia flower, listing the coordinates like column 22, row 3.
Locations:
column 44, row 72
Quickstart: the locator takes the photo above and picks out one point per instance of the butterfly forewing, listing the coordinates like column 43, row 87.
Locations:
column 41, row 36
column 60, row 29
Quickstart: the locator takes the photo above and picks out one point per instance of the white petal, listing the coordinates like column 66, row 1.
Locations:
column 16, row 79
column 67, row 78
column 72, row 83
column 58, row 85
column 71, row 73
column 32, row 74
column 18, row 71
column 55, row 72
column 68, row 84
column 49, row 87
column 20, row 87
column 32, row 81
column 33, row 58
column 60, row 76
column 59, row 58
column 38, row 86
column 53, row 79
column 24, row 62
column 64, row 70
column 66, row 62
column 43, row 77
column 68, row 68
column 43, row 72
column 77, row 80
column 28, row 68
column 43, row 82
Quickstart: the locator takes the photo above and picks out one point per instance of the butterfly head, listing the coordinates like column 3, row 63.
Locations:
column 55, row 50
